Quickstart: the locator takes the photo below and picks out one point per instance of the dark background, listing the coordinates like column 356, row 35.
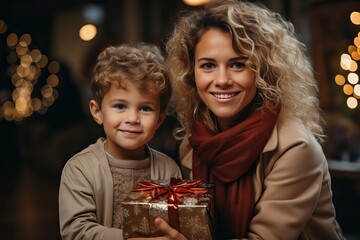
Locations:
column 34, row 149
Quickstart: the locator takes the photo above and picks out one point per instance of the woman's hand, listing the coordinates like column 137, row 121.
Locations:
column 169, row 232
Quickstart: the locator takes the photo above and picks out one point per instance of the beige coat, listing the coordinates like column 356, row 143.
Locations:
column 86, row 193
column 293, row 198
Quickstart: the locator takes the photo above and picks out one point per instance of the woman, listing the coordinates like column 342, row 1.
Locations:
column 246, row 100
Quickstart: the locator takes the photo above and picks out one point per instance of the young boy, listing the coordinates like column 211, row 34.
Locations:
column 131, row 91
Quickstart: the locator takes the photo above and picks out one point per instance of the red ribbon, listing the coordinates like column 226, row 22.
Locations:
column 175, row 190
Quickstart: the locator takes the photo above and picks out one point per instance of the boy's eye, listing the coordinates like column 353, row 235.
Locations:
column 146, row 109
column 120, row 106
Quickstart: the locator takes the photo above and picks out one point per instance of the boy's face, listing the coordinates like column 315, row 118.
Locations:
column 130, row 120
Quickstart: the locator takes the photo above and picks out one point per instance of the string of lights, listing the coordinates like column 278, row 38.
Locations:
column 33, row 78
column 348, row 62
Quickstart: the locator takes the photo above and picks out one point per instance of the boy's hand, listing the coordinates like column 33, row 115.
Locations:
column 169, row 232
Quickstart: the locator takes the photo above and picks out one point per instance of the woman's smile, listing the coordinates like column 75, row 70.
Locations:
column 224, row 95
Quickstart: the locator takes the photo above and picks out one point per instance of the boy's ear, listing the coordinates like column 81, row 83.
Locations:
column 95, row 111
column 161, row 118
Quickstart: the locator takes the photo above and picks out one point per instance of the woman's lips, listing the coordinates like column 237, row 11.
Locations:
column 224, row 95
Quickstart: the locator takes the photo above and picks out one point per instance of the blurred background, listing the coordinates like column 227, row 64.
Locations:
column 47, row 51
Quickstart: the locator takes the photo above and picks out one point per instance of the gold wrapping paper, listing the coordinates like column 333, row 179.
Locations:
column 195, row 212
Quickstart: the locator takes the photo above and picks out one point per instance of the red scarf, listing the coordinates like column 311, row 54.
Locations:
column 228, row 160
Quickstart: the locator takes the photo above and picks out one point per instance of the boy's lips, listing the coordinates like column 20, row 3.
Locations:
column 130, row 131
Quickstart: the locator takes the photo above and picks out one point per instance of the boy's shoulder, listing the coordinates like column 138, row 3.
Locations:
column 160, row 158
column 91, row 154
column 159, row 155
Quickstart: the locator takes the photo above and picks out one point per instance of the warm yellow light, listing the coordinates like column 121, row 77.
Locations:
column 26, row 60
column 352, row 48
column 355, row 18
column 357, row 41
column 87, row 32
column 348, row 89
column 35, row 55
column 195, row 2
column 21, row 50
column 46, row 91
column 353, row 78
column 21, row 105
column 353, row 66
column 345, row 61
column 25, row 40
column 36, row 104
column 8, row 109
column 32, row 73
column 355, row 55
column 54, row 67
column 22, row 71
column 47, row 102
column 12, row 39
column 43, row 62
column 340, row 80
column 357, row 89
column 3, row 26
column 53, row 80
column 352, row 102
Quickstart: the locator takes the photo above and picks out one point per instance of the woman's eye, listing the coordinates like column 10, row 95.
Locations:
column 120, row 106
column 237, row 65
column 207, row 66
column 146, row 109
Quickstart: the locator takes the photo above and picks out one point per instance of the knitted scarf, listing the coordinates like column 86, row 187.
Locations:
column 228, row 160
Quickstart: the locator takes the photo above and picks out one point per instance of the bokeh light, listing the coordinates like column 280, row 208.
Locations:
column 25, row 67
column 340, row 80
column 88, row 32
column 355, row 18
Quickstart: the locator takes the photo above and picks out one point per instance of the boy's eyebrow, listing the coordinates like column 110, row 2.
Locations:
column 141, row 102
column 150, row 103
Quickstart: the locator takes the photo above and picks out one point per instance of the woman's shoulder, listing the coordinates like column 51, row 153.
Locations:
column 292, row 130
column 290, row 136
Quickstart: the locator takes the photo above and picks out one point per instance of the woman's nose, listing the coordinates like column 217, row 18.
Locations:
column 222, row 77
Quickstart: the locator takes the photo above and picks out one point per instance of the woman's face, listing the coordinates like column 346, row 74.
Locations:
column 224, row 83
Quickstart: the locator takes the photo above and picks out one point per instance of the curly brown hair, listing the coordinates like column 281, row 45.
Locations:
column 283, row 74
column 143, row 64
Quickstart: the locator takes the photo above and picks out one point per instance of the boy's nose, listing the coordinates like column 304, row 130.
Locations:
column 133, row 117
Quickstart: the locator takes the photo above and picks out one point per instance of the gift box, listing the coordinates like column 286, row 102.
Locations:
column 188, row 206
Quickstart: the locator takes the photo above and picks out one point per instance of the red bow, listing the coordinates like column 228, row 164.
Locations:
column 174, row 191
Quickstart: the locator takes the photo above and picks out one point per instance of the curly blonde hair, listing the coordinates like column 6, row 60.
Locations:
column 284, row 75
column 143, row 64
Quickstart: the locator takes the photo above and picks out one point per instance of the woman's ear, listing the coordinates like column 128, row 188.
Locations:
column 95, row 111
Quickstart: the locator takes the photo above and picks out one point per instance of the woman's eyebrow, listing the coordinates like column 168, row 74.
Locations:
column 206, row 59
column 239, row 58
